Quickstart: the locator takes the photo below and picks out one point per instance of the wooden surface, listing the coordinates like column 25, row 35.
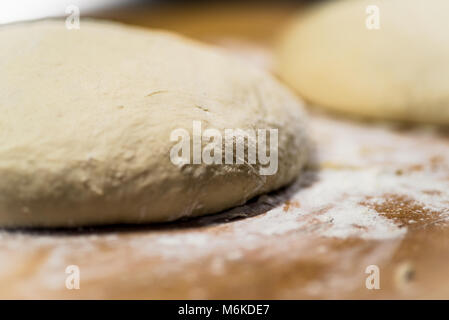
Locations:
column 374, row 194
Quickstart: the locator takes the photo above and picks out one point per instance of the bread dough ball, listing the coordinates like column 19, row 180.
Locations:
column 399, row 71
column 87, row 116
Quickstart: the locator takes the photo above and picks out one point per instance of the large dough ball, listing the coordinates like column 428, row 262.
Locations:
column 86, row 119
column 400, row 71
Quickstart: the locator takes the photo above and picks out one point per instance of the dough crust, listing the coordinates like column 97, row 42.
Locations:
column 86, row 117
column 399, row 72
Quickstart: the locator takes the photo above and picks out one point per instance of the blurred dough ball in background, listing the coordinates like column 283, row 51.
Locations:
column 336, row 58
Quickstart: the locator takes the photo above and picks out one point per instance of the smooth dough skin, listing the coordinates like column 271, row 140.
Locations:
column 398, row 72
column 86, row 117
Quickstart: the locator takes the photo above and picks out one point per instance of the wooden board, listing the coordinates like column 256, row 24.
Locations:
column 373, row 194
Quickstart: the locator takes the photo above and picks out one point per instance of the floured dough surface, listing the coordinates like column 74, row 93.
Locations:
column 399, row 71
column 86, row 117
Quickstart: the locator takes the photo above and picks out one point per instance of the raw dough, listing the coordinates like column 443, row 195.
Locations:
column 86, row 117
column 400, row 71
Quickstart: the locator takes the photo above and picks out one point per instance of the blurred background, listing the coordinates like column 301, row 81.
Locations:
column 255, row 20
